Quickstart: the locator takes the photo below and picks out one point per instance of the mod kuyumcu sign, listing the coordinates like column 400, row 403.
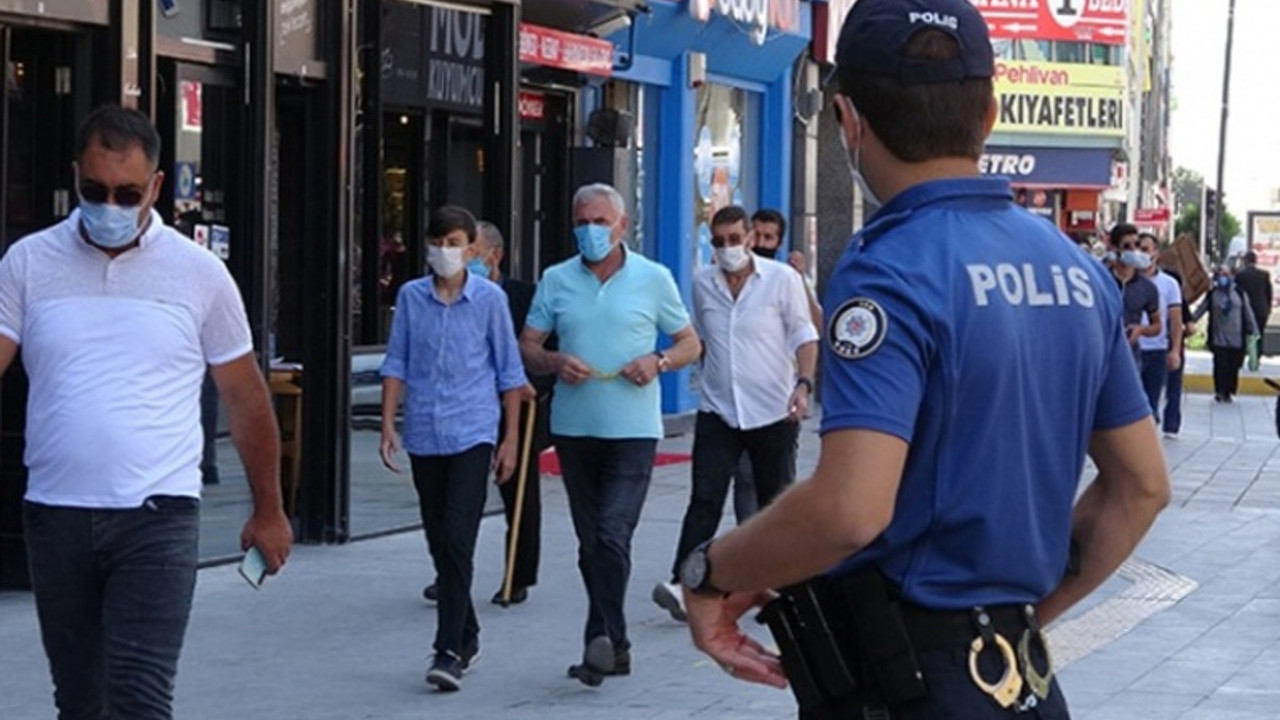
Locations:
column 1059, row 98
column 1096, row 21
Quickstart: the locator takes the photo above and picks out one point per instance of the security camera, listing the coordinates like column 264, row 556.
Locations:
column 610, row 25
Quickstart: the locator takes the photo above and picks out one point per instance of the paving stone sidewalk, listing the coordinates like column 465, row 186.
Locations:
column 342, row 634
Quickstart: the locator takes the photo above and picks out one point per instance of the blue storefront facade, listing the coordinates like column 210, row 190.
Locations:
column 711, row 88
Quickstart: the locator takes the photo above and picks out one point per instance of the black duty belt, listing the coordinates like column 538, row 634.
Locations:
column 1010, row 631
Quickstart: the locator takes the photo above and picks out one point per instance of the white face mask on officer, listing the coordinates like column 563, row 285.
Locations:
column 854, row 158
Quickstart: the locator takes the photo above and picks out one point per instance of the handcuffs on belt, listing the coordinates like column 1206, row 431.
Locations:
column 1009, row 687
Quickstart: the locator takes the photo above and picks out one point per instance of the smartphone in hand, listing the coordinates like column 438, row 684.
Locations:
column 253, row 568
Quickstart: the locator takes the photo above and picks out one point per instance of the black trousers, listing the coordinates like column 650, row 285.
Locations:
column 952, row 695
column 529, row 543
column 451, row 490
column 1227, row 362
column 717, row 448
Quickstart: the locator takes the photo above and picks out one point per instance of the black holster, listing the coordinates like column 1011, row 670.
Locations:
column 844, row 639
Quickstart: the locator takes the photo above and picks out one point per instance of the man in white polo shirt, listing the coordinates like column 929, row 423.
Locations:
column 118, row 315
column 757, row 374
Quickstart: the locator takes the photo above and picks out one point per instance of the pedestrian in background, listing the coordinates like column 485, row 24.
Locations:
column 1231, row 322
column 1255, row 283
column 1142, row 316
column 607, row 305
column 1162, row 353
column 938, row 524
column 760, row 351
column 451, row 353
column 118, row 316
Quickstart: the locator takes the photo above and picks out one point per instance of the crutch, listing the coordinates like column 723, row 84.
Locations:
column 526, row 445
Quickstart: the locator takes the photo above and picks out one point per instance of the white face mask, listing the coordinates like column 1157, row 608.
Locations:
column 445, row 262
column 855, row 165
column 732, row 257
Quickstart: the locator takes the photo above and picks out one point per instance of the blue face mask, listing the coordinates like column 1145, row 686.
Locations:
column 1223, row 282
column 1136, row 259
column 594, row 241
column 477, row 267
column 109, row 226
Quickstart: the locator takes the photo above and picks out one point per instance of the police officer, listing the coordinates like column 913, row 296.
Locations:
column 973, row 356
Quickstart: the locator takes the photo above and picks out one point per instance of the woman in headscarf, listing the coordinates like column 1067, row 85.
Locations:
column 1231, row 322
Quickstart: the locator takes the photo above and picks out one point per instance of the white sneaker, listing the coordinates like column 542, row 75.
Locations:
column 1171, row 436
column 670, row 597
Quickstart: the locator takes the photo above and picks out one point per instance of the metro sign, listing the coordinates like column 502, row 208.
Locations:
column 1098, row 21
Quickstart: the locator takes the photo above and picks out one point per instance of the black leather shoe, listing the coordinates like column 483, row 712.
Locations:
column 518, row 595
column 598, row 662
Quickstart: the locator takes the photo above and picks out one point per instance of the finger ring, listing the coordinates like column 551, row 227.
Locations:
column 728, row 669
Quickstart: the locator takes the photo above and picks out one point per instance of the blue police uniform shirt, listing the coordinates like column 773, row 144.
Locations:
column 986, row 340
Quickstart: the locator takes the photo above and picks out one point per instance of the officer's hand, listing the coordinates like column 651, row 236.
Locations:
column 1175, row 360
column 713, row 622
column 572, row 370
column 269, row 530
column 641, row 371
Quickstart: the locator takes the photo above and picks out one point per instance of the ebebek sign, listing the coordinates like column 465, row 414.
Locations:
column 757, row 15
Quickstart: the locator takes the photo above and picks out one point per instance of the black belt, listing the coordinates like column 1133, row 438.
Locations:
column 939, row 629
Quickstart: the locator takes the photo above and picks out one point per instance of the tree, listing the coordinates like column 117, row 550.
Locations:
column 1187, row 188
column 1189, row 223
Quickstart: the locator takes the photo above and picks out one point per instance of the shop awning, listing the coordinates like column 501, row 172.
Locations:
column 1051, row 167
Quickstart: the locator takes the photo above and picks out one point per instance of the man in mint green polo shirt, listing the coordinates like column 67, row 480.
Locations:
column 606, row 305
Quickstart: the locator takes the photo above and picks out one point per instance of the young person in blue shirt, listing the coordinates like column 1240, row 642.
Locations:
column 451, row 354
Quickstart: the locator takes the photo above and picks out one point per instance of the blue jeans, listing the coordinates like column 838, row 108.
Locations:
column 113, row 592
column 1173, row 400
column 451, row 492
column 1155, row 373
column 606, row 481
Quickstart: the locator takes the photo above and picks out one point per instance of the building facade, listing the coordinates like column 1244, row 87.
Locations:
column 305, row 142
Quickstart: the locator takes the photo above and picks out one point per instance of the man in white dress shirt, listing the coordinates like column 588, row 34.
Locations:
column 759, row 352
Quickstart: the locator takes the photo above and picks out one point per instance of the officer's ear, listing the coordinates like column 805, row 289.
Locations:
column 848, row 119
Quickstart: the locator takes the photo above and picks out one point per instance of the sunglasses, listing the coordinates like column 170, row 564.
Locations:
column 98, row 194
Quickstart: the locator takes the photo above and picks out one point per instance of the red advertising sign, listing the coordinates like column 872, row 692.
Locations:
column 533, row 105
column 1098, row 21
column 1151, row 216
column 567, row 51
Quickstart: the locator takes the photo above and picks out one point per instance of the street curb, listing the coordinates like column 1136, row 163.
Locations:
column 1204, row 384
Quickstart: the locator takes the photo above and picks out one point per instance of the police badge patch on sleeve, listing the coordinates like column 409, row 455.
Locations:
column 857, row 328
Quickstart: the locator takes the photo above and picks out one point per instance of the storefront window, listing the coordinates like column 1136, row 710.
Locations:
column 726, row 157
column 1070, row 52
column 1051, row 50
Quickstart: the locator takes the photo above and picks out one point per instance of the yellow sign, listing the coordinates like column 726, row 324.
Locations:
column 1060, row 98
